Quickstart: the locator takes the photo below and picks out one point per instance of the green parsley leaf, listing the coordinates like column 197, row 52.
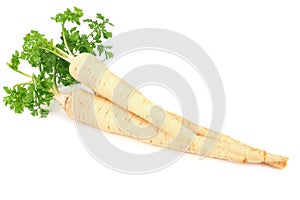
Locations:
column 51, row 60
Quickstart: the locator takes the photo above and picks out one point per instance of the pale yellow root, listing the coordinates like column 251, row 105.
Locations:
column 90, row 71
column 101, row 113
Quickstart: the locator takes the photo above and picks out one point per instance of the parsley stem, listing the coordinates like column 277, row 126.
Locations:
column 55, row 88
column 24, row 74
column 69, row 58
column 91, row 34
column 61, row 98
column 25, row 83
column 64, row 38
column 55, row 53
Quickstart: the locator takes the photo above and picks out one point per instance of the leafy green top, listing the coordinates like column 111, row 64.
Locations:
column 52, row 60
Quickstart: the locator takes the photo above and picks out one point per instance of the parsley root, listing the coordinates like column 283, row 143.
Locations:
column 98, row 112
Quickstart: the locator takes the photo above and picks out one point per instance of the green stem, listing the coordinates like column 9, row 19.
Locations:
column 91, row 34
column 55, row 53
column 55, row 88
column 65, row 41
column 62, row 53
column 25, row 83
column 69, row 58
column 24, row 74
column 61, row 98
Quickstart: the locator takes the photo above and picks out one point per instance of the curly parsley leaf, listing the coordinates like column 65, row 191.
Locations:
column 70, row 16
column 52, row 60
column 83, row 42
column 15, row 61
column 34, row 95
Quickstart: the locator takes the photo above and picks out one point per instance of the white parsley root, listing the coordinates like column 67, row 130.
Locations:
column 103, row 114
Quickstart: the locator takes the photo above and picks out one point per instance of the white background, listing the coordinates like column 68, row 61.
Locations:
column 255, row 46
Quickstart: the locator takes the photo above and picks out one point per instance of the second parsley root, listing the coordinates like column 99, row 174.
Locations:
column 103, row 114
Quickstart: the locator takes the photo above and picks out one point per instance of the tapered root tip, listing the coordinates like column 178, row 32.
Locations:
column 276, row 161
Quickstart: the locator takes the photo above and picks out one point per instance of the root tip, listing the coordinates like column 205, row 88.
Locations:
column 276, row 161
